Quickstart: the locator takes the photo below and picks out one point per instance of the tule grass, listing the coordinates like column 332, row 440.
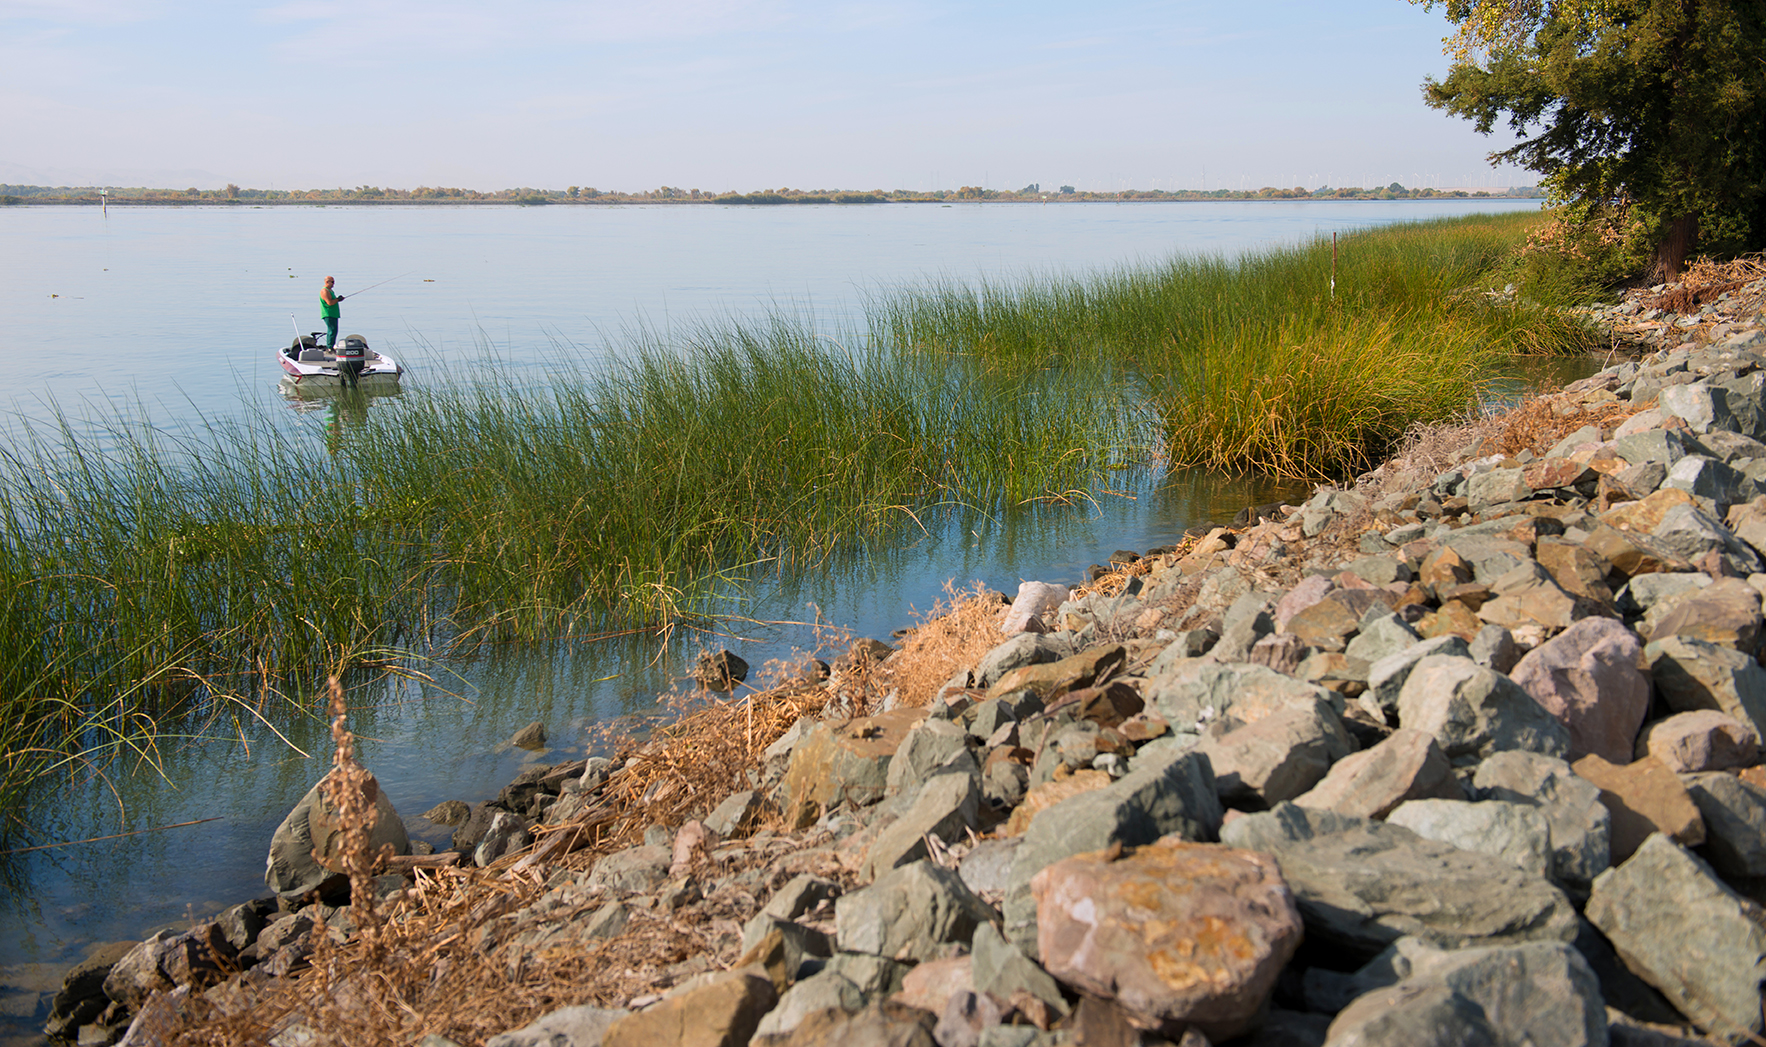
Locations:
column 145, row 578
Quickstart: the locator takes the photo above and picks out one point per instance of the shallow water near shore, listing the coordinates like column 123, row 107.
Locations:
column 549, row 285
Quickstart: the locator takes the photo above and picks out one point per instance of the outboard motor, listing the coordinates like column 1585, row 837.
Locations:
column 355, row 345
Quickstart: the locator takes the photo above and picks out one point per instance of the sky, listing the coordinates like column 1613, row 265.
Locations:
column 725, row 95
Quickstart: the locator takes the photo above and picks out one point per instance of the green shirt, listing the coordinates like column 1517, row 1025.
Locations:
column 328, row 310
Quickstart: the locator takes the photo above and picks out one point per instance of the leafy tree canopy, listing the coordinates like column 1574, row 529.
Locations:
column 1654, row 108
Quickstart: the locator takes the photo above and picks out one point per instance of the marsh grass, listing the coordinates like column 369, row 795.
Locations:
column 144, row 576
column 1254, row 363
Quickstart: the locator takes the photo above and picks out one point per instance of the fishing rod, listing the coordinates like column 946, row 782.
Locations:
column 371, row 287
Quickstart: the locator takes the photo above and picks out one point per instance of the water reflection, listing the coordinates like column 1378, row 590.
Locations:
column 307, row 399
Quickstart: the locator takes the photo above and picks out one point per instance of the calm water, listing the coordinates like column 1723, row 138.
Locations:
column 174, row 312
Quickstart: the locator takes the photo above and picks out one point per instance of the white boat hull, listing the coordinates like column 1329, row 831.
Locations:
column 316, row 371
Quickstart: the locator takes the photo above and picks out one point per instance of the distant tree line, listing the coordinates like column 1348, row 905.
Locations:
column 525, row 196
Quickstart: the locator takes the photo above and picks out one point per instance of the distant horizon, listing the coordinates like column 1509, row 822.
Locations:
column 571, row 193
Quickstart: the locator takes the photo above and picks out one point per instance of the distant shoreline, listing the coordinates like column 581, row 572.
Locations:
column 233, row 196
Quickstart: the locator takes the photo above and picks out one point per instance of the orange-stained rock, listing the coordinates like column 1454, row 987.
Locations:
column 1051, row 680
column 1643, row 796
column 1175, row 933
column 837, row 762
column 1544, row 473
column 1580, row 570
column 930, row 985
column 1633, row 553
column 1050, row 793
column 1453, row 619
column 721, row 1014
column 1444, row 567
column 1643, row 515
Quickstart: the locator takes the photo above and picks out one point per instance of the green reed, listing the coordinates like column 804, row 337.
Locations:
column 143, row 576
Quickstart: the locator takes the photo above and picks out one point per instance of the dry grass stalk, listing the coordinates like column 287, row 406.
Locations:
column 1536, row 424
column 1705, row 281
column 961, row 627
column 692, row 765
column 1435, row 447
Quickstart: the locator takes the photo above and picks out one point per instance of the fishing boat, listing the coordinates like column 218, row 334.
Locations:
column 309, row 367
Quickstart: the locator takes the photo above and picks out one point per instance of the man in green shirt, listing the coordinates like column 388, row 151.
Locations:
column 328, row 299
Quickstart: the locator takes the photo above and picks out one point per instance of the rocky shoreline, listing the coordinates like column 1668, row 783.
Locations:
column 1468, row 753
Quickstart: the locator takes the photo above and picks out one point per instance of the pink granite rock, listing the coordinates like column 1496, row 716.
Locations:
column 692, row 843
column 1175, row 933
column 1311, row 590
column 1702, row 740
column 1587, row 677
column 1369, row 784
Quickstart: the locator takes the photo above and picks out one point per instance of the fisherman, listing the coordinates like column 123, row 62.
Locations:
column 328, row 301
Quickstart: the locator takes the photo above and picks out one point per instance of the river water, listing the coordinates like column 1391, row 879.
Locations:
column 173, row 313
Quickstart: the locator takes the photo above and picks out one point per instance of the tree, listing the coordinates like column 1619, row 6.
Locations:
column 1654, row 108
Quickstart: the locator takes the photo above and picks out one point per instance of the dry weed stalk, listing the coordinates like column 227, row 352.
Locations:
column 961, row 627
column 1705, row 281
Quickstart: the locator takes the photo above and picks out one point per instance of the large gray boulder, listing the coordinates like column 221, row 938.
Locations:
column 1581, row 826
column 946, row 805
column 1735, row 823
column 1276, row 758
column 1539, row 994
column 848, row 982
column 1199, row 690
column 1383, row 637
column 1473, row 712
column 1412, row 1016
column 632, row 870
column 1697, row 674
column 1173, row 794
column 1685, row 932
column 1691, row 533
column 1362, row 885
column 926, row 747
column 909, row 913
column 292, row 870
column 1514, row 832
column 1386, row 677
column 1021, row 650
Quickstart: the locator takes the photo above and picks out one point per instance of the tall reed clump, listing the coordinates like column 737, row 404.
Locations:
column 1299, row 400
column 738, row 444
column 1254, row 363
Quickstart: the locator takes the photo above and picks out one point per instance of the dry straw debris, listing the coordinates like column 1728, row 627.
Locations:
column 1705, row 281
column 953, row 636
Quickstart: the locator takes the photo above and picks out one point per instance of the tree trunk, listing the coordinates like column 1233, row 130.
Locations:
column 1676, row 245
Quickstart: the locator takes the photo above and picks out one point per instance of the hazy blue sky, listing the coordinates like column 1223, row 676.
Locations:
column 728, row 94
